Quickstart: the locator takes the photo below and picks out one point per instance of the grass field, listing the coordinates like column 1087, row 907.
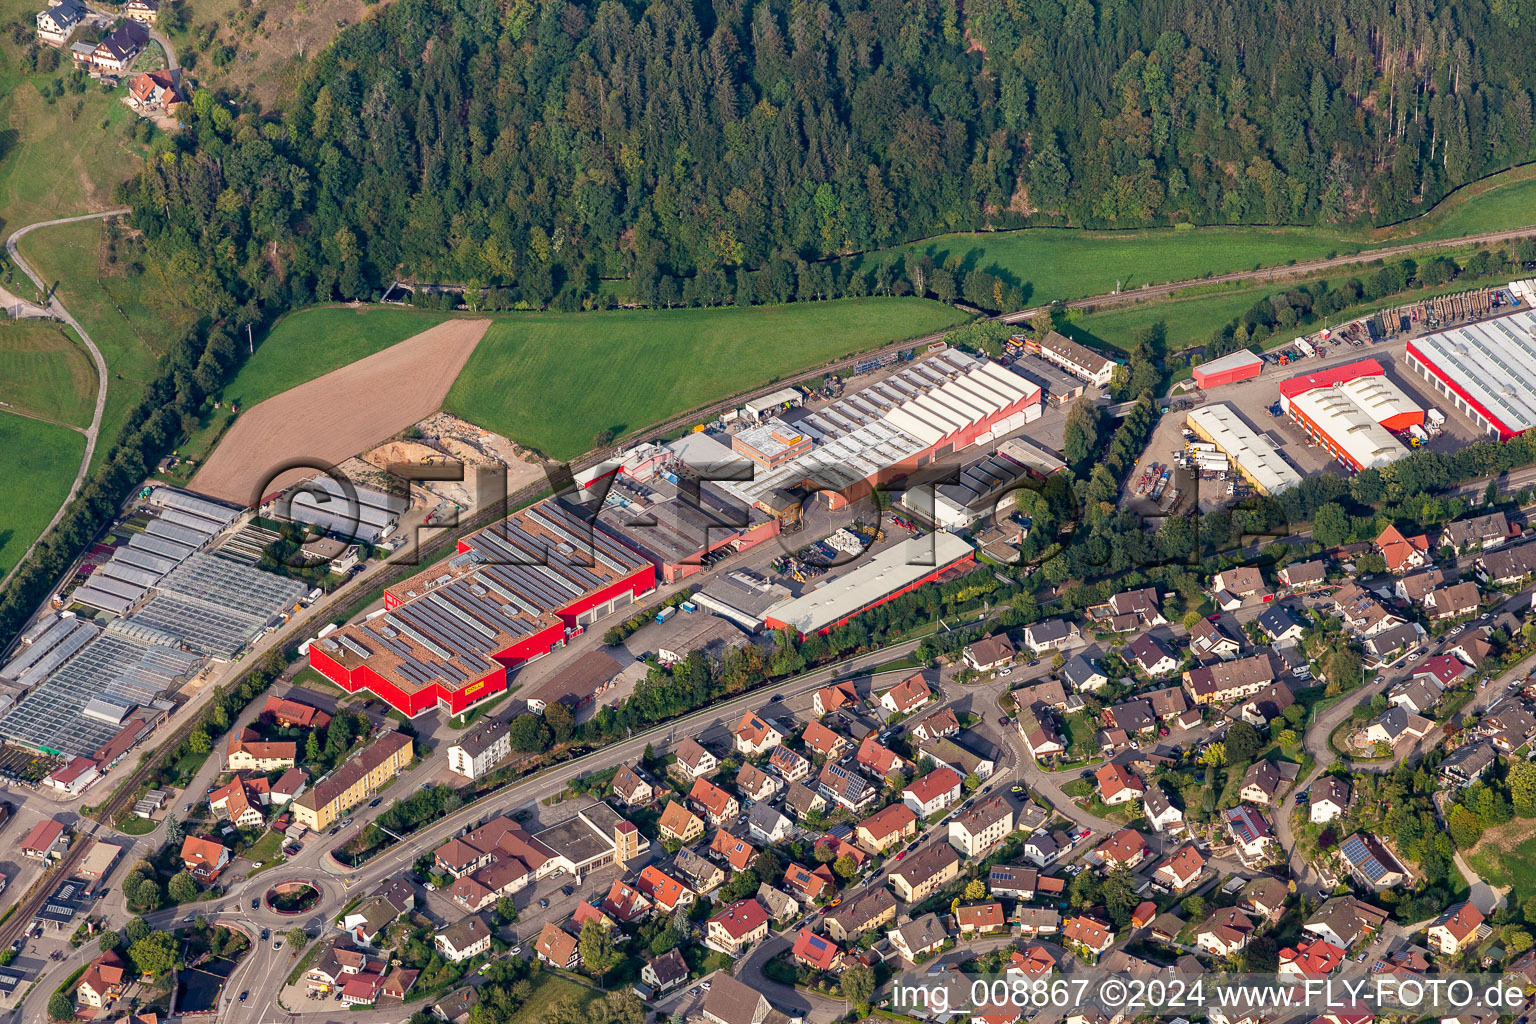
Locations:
column 45, row 373
column 1191, row 320
column 42, row 459
column 552, row 381
column 131, row 331
column 549, row 990
column 1066, row 263
column 1506, row 858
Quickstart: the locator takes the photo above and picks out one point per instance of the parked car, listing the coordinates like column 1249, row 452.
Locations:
column 543, row 903
column 244, row 996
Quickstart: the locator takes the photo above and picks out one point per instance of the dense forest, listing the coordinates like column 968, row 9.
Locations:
column 721, row 153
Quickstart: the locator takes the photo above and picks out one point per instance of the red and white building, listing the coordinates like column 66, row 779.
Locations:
column 1353, row 411
column 514, row 592
column 1229, row 369
column 1484, row 369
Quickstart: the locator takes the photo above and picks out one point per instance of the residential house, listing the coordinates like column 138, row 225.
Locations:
column 1280, row 626
column 820, row 740
column 1048, row 692
column 483, row 749
column 1418, row 694
column 914, row 939
column 557, row 947
column 1316, row 959
column 801, row 800
column 1508, row 725
column 1131, row 717
column 1329, row 799
column 1089, row 932
column 933, row 792
column 1456, row 929
column 1144, row 604
column 1012, row 881
column 781, row 906
column 1225, row 932
column 755, row 735
column 1362, row 613
column 1049, row 635
column 1036, row 921
column 981, row 919
column 1298, row 575
column 1030, row 962
column 246, row 751
column 737, row 853
column 768, row 825
column 631, row 789
column 693, row 870
column 694, row 761
column 1261, row 782
column 1125, row 849
column 57, row 23
column 832, row 698
column 976, row 830
column 1263, row 897
column 755, row 784
column 241, row 801
column 102, row 983
column 1415, row 585
column 924, row 872
column 1402, row 553
column 1397, row 723
column 1452, row 602
column 1180, row 869
column 960, row 757
column 1045, row 848
column 1083, row 674
column 845, row 787
column 626, row 904
column 942, row 724
column 145, row 11
column 990, row 653
column 1507, row 565
column 738, row 926
column 662, row 890
column 887, row 828
column 1344, row 920
column 1147, row 653
column 1444, row 670
column 680, row 824
column 731, row 1002
column 874, row 909
column 1249, row 831
column 717, row 806
column 1268, row 704
column 1226, row 681
column 816, row 952
column 664, row 973
column 464, row 939
column 1467, row 763
column 1472, row 647
column 1371, row 864
column 1040, row 733
column 205, row 858
column 879, row 759
column 790, row 766
column 1160, row 812
column 1484, row 532
column 1391, row 643
column 806, row 885
column 1232, row 587
column 1209, row 642
column 384, row 906
column 907, row 696
column 1118, row 786
column 154, row 91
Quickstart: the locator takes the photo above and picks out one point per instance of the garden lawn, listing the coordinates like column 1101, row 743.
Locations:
column 1508, row 863
column 128, row 317
column 44, row 373
column 549, row 990
column 41, row 462
column 553, row 381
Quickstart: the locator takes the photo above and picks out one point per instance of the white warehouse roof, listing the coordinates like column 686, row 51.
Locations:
column 1493, row 362
column 1246, row 447
column 1380, row 398
column 1350, row 426
column 886, row 573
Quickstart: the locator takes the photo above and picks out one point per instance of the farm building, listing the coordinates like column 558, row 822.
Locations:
column 1251, row 453
column 1229, row 369
column 1485, row 370
column 1352, row 411
column 928, row 410
column 514, row 592
column 885, row 577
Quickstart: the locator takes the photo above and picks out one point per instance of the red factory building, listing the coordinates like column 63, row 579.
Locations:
column 1229, row 369
column 514, row 592
column 1354, row 411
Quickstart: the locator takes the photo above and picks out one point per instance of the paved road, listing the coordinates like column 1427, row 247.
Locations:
column 56, row 308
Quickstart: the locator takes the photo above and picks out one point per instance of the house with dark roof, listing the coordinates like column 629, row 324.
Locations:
column 1147, row 653
column 1303, row 574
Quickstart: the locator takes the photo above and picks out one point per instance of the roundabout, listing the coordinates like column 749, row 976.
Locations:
column 292, row 898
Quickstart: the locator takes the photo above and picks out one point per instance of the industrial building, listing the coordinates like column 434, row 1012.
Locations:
column 1485, row 369
column 514, row 592
column 350, row 513
column 1249, row 451
column 1059, row 386
column 1081, row 360
column 1229, row 369
column 742, row 596
column 1353, row 411
column 928, row 410
column 772, row 444
column 985, row 487
column 681, row 530
column 885, row 577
